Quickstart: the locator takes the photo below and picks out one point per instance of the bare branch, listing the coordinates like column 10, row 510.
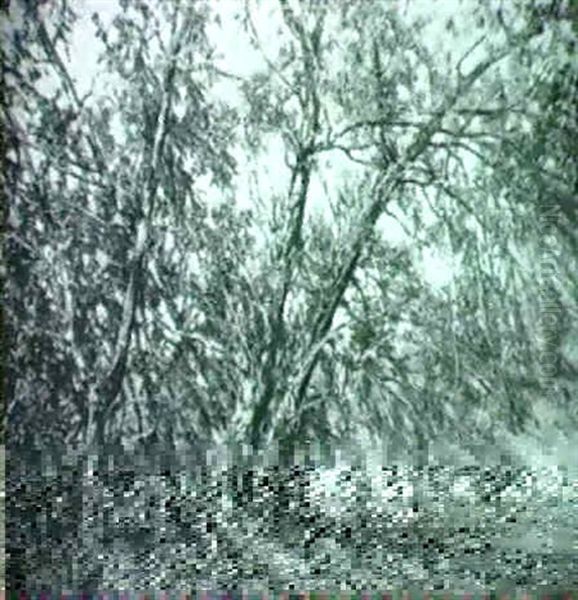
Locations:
column 467, row 53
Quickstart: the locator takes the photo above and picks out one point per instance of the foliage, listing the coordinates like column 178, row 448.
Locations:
column 163, row 289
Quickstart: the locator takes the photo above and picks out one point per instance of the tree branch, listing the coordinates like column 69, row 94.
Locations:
column 103, row 397
column 383, row 193
column 292, row 243
column 60, row 68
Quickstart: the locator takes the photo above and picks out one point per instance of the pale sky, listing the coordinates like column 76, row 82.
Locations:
column 238, row 57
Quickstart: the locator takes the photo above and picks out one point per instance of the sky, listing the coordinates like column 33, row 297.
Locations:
column 240, row 58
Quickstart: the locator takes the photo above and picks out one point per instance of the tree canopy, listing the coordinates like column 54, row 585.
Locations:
column 293, row 225
column 162, row 284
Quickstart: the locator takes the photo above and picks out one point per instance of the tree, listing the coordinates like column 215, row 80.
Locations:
column 92, row 204
column 168, row 301
column 147, row 309
column 407, row 135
